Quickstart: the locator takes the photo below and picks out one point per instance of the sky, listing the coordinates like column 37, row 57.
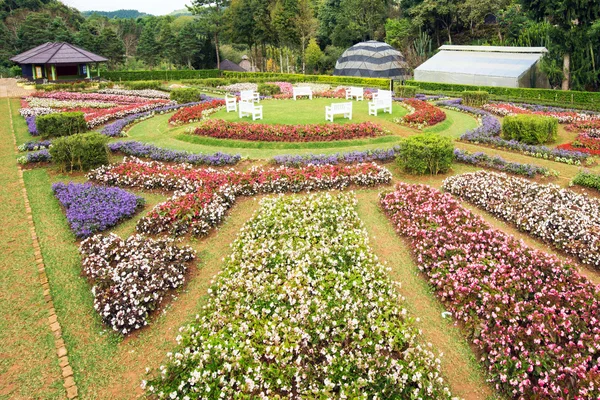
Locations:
column 156, row 7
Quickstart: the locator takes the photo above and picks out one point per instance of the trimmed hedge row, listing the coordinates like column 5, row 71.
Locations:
column 530, row 129
column 142, row 85
column 406, row 91
column 185, row 95
column 80, row 152
column 294, row 78
column 425, row 153
column 61, row 124
column 475, row 98
column 550, row 95
column 157, row 75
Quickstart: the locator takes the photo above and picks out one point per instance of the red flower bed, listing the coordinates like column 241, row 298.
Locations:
column 571, row 147
column 424, row 114
column 194, row 113
column 287, row 133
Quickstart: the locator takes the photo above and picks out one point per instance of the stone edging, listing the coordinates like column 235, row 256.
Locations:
column 61, row 349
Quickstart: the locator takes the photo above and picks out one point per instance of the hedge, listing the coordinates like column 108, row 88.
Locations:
column 550, row 95
column 475, row 98
column 158, row 75
column 405, row 91
column 61, row 124
column 185, row 95
column 73, row 86
column 530, row 129
column 295, row 78
column 83, row 151
column 425, row 153
column 268, row 89
column 587, row 179
column 140, row 85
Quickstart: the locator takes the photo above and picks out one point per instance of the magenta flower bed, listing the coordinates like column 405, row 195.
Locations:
column 221, row 129
column 534, row 319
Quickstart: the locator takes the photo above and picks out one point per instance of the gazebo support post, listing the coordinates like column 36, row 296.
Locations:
column 33, row 72
column 98, row 70
column 53, row 68
column 87, row 70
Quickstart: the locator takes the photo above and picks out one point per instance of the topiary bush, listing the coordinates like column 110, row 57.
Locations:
column 80, row 152
column 425, row 153
column 61, row 124
column 530, row 129
column 406, row 91
column 266, row 89
column 186, row 95
column 141, row 85
column 475, row 98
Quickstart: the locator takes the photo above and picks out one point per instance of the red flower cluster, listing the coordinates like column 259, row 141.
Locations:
column 572, row 147
column 424, row 114
column 533, row 318
column 194, row 113
column 287, row 133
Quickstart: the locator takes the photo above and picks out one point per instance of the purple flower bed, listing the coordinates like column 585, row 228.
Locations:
column 139, row 149
column 483, row 160
column 489, row 133
column 35, row 145
column 31, row 125
column 352, row 157
column 35, row 157
column 92, row 209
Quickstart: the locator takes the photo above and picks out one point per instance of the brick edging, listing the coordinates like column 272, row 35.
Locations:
column 61, row 349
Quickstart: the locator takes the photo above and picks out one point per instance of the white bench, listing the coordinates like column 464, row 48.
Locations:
column 231, row 103
column 338, row 108
column 382, row 100
column 383, row 94
column 302, row 91
column 249, row 95
column 249, row 109
column 355, row 92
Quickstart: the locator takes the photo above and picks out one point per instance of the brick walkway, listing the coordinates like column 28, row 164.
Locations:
column 9, row 88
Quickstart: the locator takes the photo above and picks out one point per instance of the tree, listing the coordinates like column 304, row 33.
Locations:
column 168, row 43
column 148, row 48
column 39, row 28
column 111, row 47
column 571, row 19
column 190, row 40
column 474, row 12
column 359, row 21
column 398, row 32
column 307, row 24
column 314, row 55
column 444, row 12
column 210, row 13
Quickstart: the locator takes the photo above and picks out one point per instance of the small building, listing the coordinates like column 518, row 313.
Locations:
column 227, row 65
column 372, row 59
column 57, row 61
column 485, row 66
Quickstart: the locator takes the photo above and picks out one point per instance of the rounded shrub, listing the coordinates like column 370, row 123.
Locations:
column 141, row 85
column 406, row 91
column 61, row 124
column 80, row 152
column 425, row 153
column 266, row 89
column 475, row 98
column 185, row 95
column 530, row 129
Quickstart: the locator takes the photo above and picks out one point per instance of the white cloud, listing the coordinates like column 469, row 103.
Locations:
column 151, row 7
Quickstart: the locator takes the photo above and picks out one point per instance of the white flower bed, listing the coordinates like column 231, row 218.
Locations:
column 147, row 93
column 302, row 309
column 238, row 87
column 35, row 111
column 42, row 102
column 317, row 87
column 132, row 276
column 568, row 220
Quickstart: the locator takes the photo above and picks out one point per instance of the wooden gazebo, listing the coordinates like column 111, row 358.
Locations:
column 57, row 61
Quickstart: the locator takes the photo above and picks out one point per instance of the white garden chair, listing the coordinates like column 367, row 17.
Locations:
column 334, row 109
column 249, row 96
column 302, row 91
column 231, row 103
column 357, row 93
column 249, row 109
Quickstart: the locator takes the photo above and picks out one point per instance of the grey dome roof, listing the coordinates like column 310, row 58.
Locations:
column 372, row 59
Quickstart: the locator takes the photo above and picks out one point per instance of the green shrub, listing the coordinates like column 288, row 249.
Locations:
column 475, row 98
column 259, row 77
column 61, row 124
column 530, row 129
column 72, row 87
column 185, row 95
column 106, row 85
column 266, row 89
column 158, row 75
column 406, row 91
column 80, row 152
column 140, row 85
column 587, row 179
column 425, row 153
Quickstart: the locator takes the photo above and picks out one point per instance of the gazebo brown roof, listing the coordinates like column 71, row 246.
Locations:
column 57, row 53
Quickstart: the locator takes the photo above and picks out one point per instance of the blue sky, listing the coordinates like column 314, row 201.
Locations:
column 156, row 7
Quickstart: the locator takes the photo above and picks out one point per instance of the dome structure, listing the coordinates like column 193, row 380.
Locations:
column 372, row 59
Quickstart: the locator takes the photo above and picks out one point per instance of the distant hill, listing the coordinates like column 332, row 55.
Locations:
column 116, row 14
column 178, row 13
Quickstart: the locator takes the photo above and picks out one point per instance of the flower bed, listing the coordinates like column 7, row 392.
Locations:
column 139, row 149
column 285, row 87
column 204, row 195
column 488, row 133
column 91, row 209
column 421, row 114
column 533, row 319
column 483, row 160
column 351, row 157
column 196, row 112
column 35, row 157
column 563, row 218
column 221, row 129
column 131, row 277
column 31, row 125
column 587, row 179
column 591, row 127
column 148, row 93
column 315, row 316
column 564, row 116
column 35, row 145
column 569, row 147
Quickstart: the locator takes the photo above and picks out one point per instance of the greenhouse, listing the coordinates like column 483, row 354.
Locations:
column 485, row 66
column 372, row 59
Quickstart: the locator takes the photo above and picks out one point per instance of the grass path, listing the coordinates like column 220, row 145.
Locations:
column 459, row 364
column 28, row 362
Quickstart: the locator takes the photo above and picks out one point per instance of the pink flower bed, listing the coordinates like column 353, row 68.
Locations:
column 564, row 117
column 195, row 113
column 534, row 319
column 423, row 114
column 286, row 87
column 221, row 129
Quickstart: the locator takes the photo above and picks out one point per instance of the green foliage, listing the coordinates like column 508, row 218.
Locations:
column 61, row 124
column 266, row 89
column 70, row 87
column 186, row 95
column 530, row 129
column 156, row 75
column 475, row 98
column 398, row 32
column 313, row 55
column 140, row 85
column 587, row 179
column 405, row 91
column 294, row 78
column 425, row 153
column 80, row 152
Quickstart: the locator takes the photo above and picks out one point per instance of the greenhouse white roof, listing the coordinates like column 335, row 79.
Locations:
column 493, row 61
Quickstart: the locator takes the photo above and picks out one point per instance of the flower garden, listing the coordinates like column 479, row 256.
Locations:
column 212, row 256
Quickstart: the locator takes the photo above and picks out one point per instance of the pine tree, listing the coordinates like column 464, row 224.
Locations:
column 148, row 49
